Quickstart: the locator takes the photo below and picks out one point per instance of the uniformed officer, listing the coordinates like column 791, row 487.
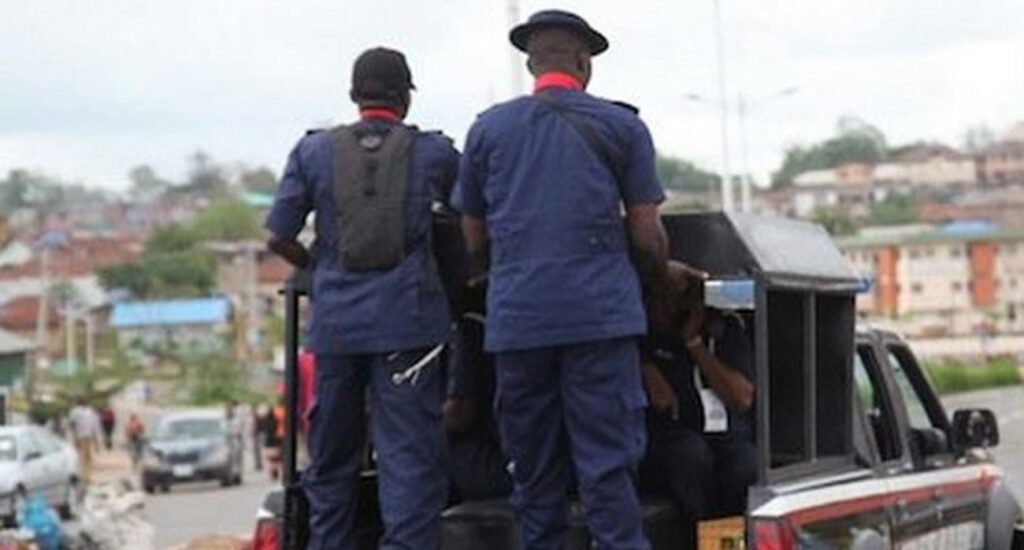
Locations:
column 542, row 186
column 699, row 371
column 379, row 312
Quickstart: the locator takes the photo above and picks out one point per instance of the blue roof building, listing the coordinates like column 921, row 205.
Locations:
column 170, row 313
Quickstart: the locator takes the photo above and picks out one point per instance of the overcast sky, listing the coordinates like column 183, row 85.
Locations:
column 90, row 89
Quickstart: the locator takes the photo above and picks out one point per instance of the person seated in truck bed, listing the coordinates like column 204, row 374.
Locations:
column 476, row 466
column 698, row 367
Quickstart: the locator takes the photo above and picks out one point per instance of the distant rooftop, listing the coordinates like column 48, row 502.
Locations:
column 12, row 343
column 958, row 231
column 199, row 311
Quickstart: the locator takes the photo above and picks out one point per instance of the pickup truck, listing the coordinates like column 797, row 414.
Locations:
column 855, row 448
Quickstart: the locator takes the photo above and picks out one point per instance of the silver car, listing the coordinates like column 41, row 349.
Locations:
column 192, row 446
column 34, row 461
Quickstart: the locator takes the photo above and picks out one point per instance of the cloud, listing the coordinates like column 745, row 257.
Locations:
column 94, row 88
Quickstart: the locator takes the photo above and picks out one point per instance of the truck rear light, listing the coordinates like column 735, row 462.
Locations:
column 770, row 534
column 266, row 537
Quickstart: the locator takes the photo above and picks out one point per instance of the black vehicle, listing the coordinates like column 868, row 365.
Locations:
column 855, row 448
column 191, row 446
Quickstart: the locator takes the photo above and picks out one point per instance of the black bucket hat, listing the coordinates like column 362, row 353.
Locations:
column 558, row 19
column 381, row 73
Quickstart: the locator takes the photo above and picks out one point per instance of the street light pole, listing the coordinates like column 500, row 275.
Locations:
column 727, row 199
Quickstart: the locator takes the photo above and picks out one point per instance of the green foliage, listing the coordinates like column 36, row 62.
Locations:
column 146, row 183
column 894, row 210
column 953, row 376
column 217, row 378
column 206, row 177
column 258, row 180
column 681, row 175
column 228, row 220
column 855, row 141
column 836, row 222
column 172, row 266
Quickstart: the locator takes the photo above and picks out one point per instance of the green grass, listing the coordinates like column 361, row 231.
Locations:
column 951, row 376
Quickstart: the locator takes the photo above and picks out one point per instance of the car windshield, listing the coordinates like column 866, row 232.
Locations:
column 190, row 428
column 8, row 449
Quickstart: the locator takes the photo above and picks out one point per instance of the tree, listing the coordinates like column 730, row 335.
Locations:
column 855, row 141
column 146, row 183
column 258, row 180
column 836, row 222
column 228, row 220
column 206, row 177
column 893, row 210
column 681, row 175
column 171, row 266
column 977, row 138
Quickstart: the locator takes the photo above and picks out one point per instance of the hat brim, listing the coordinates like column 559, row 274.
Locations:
column 520, row 35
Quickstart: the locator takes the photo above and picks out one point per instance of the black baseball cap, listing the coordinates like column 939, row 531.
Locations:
column 558, row 19
column 380, row 73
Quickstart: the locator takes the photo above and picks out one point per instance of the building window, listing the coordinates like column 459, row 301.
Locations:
column 914, row 254
column 954, row 253
column 957, row 286
column 916, row 288
column 930, row 252
column 1013, row 283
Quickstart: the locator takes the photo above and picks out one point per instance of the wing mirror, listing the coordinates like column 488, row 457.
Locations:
column 975, row 428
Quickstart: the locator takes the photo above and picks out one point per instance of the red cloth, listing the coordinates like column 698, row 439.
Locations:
column 379, row 112
column 307, row 390
column 557, row 79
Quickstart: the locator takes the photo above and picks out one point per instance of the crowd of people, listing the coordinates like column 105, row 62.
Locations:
column 530, row 271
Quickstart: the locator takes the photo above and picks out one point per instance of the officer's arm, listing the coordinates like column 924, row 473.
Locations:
column 292, row 204
column 291, row 250
column 478, row 244
column 731, row 386
column 649, row 246
column 642, row 193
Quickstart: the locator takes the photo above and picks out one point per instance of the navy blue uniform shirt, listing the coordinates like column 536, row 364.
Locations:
column 560, row 270
column 732, row 346
column 372, row 311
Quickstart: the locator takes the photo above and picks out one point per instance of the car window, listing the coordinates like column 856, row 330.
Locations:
column 29, row 445
column 917, row 413
column 8, row 449
column 47, row 443
column 190, row 428
column 875, row 405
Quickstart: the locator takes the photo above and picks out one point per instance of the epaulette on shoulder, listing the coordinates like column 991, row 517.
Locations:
column 312, row 131
column 627, row 106
column 437, row 133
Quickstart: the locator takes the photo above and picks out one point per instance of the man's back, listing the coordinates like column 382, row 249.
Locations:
column 560, row 267
column 377, row 310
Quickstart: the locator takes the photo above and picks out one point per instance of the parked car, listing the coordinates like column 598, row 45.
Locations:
column 34, row 461
column 191, row 446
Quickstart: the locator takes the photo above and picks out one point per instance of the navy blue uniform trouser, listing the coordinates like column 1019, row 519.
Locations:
column 408, row 438
column 705, row 475
column 576, row 405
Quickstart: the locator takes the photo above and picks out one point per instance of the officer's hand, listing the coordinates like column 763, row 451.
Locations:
column 457, row 414
column 662, row 396
column 694, row 323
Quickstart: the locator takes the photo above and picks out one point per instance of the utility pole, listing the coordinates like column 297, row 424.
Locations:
column 745, row 183
column 254, row 313
column 42, row 321
column 515, row 60
column 723, row 100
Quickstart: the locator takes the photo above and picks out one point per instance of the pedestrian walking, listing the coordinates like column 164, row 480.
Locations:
column 86, row 431
column 380, row 312
column 108, row 421
column 543, row 185
column 135, row 435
